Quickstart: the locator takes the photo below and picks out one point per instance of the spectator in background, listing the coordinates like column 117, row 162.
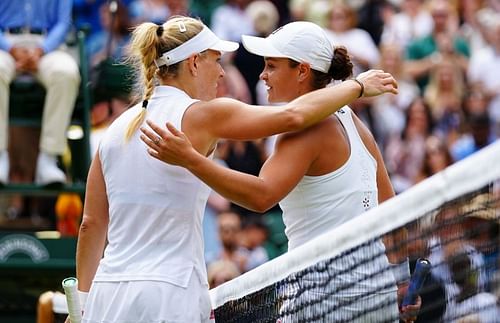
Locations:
column 205, row 9
column 403, row 27
column 482, row 223
column 229, row 228
column 86, row 14
column 444, row 94
column 31, row 42
column 389, row 110
column 254, row 235
column 470, row 305
column 112, row 40
column 447, row 241
column 484, row 68
column 156, row 11
column 341, row 29
column 371, row 16
column 436, row 158
column 363, row 51
column 265, row 17
column 443, row 44
column 111, row 78
column 471, row 28
column 480, row 135
column 230, row 20
column 475, row 99
column 310, row 10
column 404, row 153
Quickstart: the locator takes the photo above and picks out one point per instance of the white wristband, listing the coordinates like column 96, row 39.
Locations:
column 401, row 271
column 83, row 298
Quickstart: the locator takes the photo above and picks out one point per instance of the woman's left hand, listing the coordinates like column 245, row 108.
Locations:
column 169, row 145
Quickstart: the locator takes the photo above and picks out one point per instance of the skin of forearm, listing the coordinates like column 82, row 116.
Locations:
column 317, row 105
column 91, row 242
column 243, row 189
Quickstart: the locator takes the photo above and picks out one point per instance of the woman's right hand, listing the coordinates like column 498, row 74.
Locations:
column 377, row 82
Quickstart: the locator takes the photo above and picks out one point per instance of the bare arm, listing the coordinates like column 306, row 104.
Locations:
column 227, row 118
column 92, row 236
column 278, row 176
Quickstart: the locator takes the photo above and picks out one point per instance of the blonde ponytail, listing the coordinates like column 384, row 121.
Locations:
column 148, row 42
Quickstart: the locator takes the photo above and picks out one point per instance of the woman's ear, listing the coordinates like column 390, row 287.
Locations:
column 193, row 64
column 304, row 71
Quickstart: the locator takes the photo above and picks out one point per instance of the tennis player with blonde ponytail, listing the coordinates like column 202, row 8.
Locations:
column 140, row 247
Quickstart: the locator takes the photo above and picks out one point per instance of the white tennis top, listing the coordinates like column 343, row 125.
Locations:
column 155, row 209
column 319, row 204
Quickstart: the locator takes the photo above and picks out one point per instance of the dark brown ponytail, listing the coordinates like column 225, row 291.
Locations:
column 341, row 66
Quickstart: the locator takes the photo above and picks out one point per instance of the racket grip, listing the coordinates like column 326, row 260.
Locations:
column 70, row 285
column 417, row 280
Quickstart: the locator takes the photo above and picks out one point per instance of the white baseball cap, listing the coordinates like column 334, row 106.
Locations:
column 302, row 41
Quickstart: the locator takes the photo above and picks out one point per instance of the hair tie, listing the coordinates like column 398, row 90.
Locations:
column 159, row 30
column 144, row 104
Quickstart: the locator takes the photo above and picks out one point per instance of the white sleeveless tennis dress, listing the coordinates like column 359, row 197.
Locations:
column 319, row 204
column 153, row 268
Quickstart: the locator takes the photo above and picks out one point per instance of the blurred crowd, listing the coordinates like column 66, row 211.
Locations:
column 445, row 56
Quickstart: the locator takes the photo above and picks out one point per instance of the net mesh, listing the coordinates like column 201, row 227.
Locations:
column 451, row 219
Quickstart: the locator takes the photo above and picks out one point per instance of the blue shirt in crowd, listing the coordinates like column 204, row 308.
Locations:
column 50, row 16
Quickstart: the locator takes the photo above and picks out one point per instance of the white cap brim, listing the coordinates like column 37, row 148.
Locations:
column 260, row 46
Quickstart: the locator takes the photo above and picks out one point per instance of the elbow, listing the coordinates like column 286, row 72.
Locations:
column 294, row 120
column 90, row 224
column 262, row 204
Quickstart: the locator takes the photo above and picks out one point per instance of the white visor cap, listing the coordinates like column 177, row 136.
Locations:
column 302, row 41
column 204, row 40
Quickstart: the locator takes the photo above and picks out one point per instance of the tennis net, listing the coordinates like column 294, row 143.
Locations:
column 452, row 219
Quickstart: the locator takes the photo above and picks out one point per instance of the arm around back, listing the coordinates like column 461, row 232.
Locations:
column 227, row 118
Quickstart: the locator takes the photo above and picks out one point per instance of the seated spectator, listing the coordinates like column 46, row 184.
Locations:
column 156, row 11
column 447, row 241
column 484, row 68
column 341, row 29
column 31, row 41
column 411, row 22
column 310, row 10
column 470, row 305
column 436, row 158
column 112, row 40
column 480, row 135
column 229, row 226
column 230, row 20
column 254, row 235
column 389, row 110
column 404, row 153
column 444, row 94
column 265, row 17
column 441, row 45
column 483, row 226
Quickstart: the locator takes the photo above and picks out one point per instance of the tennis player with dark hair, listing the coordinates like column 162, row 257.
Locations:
column 145, row 216
column 324, row 175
